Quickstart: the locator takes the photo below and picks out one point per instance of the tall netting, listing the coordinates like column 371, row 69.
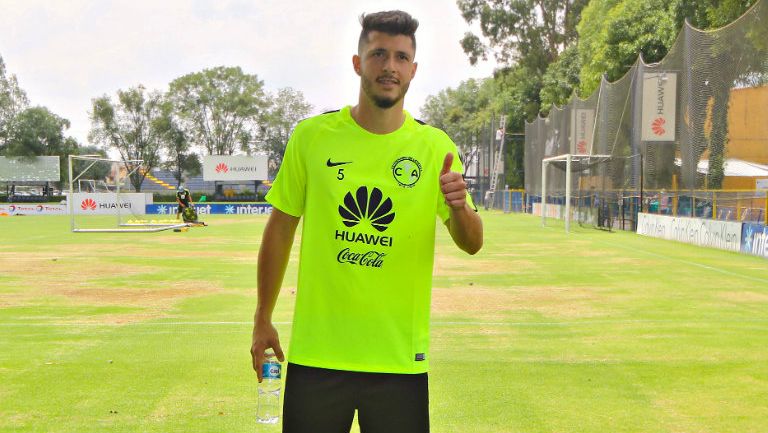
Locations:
column 685, row 136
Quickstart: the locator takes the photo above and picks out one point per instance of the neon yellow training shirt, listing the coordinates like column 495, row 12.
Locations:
column 369, row 204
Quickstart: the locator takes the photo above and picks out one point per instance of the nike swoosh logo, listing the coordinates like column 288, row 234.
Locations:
column 334, row 164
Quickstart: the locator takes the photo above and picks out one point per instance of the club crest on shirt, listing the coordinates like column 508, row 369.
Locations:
column 406, row 171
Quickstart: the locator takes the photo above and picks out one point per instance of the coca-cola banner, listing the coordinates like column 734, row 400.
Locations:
column 109, row 203
column 234, row 168
column 659, row 105
column 582, row 126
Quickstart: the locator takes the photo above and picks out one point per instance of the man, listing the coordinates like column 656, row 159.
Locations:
column 369, row 181
column 184, row 199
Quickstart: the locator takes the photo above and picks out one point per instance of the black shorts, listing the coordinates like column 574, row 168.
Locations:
column 319, row 400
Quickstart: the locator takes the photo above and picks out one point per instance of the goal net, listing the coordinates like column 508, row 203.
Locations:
column 569, row 181
column 100, row 198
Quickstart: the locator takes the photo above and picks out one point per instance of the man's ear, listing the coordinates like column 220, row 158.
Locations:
column 413, row 71
column 356, row 63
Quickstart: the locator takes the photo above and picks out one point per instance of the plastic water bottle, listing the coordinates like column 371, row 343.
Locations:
column 269, row 391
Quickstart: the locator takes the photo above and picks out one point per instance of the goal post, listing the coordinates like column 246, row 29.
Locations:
column 99, row 199
column 566, row 162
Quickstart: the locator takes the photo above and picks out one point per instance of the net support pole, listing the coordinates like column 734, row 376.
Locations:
column 543, row 192
column 568, row 193
column 117, row 195
column 70, row 198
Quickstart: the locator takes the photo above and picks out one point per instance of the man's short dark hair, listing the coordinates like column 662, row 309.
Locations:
column 390, row 22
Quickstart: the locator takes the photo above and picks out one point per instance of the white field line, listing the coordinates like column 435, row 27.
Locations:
column 688, row 262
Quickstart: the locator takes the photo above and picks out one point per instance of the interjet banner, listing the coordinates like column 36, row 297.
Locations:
column 234, row 168
column 217, row 208
column 107, row 203
column 754, row 240
column 659, row 106
column 582, row 126
column 725, row 235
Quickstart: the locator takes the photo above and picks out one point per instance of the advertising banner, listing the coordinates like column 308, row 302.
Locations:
column 33, row 209
column 37, row 169
column 107, row 203
column 234, row 168
column 754, row 240
column 582, row 126
column 217, row 208
column 725, row 235
column 659, row 106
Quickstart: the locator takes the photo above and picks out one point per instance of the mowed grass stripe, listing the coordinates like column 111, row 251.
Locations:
column 540, row 332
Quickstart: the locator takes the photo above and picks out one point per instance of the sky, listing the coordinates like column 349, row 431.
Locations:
column 65, row 53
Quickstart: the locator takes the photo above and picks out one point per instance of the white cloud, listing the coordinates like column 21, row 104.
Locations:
column 66, row 53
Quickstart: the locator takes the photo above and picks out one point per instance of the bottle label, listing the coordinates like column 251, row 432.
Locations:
column 271, row 370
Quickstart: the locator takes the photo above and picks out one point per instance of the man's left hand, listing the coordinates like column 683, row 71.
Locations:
column 452, row 185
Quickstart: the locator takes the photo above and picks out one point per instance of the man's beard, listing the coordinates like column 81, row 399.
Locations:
column 382, row 101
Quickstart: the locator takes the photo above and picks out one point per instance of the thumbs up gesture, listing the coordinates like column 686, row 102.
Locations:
column 452, row 185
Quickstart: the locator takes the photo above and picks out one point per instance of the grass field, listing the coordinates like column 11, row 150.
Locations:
column 540, row 332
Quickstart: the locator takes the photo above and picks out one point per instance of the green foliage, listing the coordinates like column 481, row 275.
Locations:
column 132, row 126
column 531, row 33
column 462, row 112
column 13, row 100
column 561, row 79
column 286, row 109
column 36, row 131
column 613, row 32
column 218, row 108
column 711, row 14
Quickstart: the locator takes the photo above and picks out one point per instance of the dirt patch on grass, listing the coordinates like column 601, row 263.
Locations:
column 497, row 304
column 742, row 296
column 75, row 278
column 455, row 266
column 139, row 296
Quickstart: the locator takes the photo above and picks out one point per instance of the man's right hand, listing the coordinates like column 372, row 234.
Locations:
column 264, row 337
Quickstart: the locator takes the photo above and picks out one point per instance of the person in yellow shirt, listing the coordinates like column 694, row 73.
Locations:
column 370, row 182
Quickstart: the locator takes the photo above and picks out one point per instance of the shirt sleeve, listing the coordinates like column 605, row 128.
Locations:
column 288, row 192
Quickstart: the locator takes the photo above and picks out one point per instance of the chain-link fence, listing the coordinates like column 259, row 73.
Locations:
column 695, row 122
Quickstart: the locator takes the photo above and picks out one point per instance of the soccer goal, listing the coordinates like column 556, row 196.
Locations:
column 100, row 197
column 561, row 187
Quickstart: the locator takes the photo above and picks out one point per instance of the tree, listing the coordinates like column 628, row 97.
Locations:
column 531, row 33
column 462, row 112
column 465, row 114
column 37, row 131
column 181, row 161
column 13, row 100
column 218, row 108
column 287, row 109
column 613, row 32
column 131, row 126
column 561, row 79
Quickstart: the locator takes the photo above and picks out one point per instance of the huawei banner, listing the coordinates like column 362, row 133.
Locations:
column 107, row 204
column 659, row 106
column 582, row 126
column 234, row 168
